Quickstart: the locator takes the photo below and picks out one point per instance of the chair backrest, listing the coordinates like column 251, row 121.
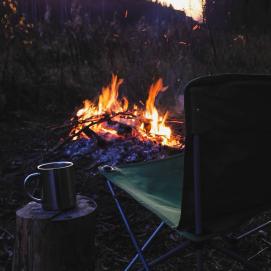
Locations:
column 231, row 116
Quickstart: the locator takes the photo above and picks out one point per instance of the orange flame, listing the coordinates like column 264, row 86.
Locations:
column 157, row 122
column 108, row 100
column 147, row 124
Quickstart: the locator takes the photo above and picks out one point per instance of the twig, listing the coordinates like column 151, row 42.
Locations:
column 68, row 139
column 175, row 121
column 73, row 122
column 102, row 116
column 90, row 119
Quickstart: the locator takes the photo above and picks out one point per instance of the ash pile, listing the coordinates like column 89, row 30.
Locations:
column 117, row 151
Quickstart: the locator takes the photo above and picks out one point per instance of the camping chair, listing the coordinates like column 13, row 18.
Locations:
column 220, row 180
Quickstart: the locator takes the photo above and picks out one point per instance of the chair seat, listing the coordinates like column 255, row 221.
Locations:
column 157, row 185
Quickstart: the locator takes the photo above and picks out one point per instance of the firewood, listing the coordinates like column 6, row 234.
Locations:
column 121, row 128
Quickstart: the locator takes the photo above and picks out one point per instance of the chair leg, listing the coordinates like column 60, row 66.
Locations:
column 237, row 238
column 123, row 216
column 199, row 257
column 131, row 263
column 169, row 254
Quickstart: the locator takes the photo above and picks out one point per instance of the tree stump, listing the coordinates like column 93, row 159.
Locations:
column 55, row 241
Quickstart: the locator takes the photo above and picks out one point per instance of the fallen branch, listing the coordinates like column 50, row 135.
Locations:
column 74, row 122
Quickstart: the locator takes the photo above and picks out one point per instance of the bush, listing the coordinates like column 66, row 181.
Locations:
column 47, row 67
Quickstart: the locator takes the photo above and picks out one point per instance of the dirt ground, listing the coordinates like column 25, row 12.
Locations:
column 25, row 140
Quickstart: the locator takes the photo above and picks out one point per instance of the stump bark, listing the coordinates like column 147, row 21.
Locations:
column 55, row 241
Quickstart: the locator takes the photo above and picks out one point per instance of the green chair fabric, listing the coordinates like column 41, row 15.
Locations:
column 157, row 185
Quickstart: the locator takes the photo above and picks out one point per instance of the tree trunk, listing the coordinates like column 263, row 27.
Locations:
column 52, row 241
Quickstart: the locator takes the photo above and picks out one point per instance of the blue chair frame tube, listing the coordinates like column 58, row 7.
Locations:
column 156, row 231
column 125, row 220
column 139, row 250
column 169, row 254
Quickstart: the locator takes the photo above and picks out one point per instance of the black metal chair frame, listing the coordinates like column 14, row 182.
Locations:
column 199, row 245
column 202, row 242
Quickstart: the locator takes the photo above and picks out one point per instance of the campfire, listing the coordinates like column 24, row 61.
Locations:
column 112, row 117
column 115, row 131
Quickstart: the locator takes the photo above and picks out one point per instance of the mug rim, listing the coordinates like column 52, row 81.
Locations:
column 49, row 166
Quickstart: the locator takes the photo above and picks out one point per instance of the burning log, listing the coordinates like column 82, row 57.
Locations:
column 91, row 134
column 122, row 129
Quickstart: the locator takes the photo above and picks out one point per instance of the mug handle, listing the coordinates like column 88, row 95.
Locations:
column 26, row 181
